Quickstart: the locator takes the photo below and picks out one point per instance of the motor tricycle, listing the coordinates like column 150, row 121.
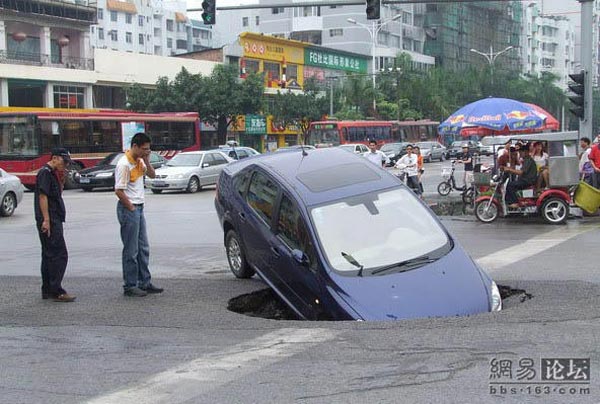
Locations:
column 553, row 203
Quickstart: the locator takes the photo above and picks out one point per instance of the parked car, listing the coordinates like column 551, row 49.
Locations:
column 456, row 148
column 393, row 151
column 357, row 148
column 485, row 150
column 296, row 147
column 432, row 151
column 11, row 193
column 189, row 171
column 238, row 152
column 288, row 218
column 102, row 175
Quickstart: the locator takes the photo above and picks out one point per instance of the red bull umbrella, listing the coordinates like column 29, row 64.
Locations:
column 495, row 116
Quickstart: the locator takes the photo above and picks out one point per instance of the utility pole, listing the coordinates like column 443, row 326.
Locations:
column 587, row 21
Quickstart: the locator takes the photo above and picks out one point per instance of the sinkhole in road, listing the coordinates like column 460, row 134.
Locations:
column 266, row 304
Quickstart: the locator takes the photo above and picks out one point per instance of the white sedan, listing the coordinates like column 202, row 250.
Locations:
column 189, row 171
column 11, row 193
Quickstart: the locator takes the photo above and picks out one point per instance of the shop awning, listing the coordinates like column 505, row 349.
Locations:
column 124, row 6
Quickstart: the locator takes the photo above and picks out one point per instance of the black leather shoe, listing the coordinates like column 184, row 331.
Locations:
column 152, row 289
column 46, row 296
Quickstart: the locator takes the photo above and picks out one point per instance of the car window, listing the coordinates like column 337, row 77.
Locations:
column 261, row 195
column 219, row 159
column 292, row 229
column 233, row 154
column 242, row 154
column 240, row 182
column 208, row 159
column 154, row 158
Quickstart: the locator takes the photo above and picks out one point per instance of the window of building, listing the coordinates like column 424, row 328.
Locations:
column 204, row 34
column 141, row 39
column 141, row 20
column 181, row 44
column 196, row 33
column 68, row 97
column 100, row 14
column 261, row 196
column 170, row 25
column 257, row 20
column 114, row 35
column 307, row 11
column 128, row 18
column 291, row 72
column 406, row 18
column 113, row 16
column 169, row 43
column 271, row 70
column 277, row 10
column 128, row 37
column 101, row 33
column 156, row 31
column 244, row 21
column 252, row 66
column 336, row 32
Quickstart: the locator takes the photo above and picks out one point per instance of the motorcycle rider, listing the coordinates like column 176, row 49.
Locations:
column 527, row 177
column 410, row 163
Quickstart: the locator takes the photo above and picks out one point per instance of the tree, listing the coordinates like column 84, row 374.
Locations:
column 300, row 109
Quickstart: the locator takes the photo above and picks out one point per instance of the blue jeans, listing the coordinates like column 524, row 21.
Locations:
column 136, row 250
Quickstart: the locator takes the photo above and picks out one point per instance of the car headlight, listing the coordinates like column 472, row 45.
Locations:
column 495, row 298
column 76, row 175
column 105, row 175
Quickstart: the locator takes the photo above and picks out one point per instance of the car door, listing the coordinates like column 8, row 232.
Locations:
column 205, row 170
column 219, row 162
column 255, row 222
column 295, row 259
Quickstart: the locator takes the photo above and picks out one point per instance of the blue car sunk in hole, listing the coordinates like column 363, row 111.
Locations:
column 338, row 238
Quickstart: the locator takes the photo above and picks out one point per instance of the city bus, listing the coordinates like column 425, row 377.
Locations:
column 335, row 133
column 27, row 135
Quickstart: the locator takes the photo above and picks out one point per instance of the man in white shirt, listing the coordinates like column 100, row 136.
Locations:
column 129, row 188
column 375, row 156
column 409, row 162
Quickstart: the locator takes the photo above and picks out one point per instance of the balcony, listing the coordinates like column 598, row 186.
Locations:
column 81, row 11
column 39, row 59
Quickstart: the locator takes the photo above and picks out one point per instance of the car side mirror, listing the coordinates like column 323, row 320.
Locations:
column 204, row 165
column 301, row 258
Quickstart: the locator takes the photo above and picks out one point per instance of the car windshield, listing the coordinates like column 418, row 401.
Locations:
column 388, row 147
column 185, row 160
column 387, row 226
column 457, row 144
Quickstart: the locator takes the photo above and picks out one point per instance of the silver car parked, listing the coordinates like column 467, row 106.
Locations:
column 11, row 193
column 432, row 151
column 189, row 171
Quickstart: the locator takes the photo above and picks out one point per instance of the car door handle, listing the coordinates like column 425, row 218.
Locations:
column 275, row 252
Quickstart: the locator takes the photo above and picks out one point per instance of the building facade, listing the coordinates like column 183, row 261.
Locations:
column 337, row 27
column 150, row 27
column 548, row 44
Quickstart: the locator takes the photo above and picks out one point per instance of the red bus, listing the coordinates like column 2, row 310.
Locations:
column 335, row 133
column 28, row 134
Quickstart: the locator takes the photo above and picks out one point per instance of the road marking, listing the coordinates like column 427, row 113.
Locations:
column 533, row 246
column 187, row 382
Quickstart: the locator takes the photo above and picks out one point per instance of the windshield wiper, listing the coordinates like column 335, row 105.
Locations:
column 405, row 265
column 351, row 260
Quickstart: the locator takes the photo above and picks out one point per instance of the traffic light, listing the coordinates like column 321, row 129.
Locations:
column 209, row 10
column 578, row 99
column 373, row 9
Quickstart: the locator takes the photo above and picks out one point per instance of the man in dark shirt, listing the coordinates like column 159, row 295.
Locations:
column 467, row 159
column 527, row 177
column 49, row 216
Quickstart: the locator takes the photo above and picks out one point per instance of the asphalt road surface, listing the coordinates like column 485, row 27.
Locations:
column 184, row 346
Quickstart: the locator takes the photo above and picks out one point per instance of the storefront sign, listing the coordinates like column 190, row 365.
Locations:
column 256, row 125
column 333, row 60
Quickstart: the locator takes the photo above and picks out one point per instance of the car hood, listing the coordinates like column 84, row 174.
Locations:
column 174, row 170
column 451, row 286
column 97, row 169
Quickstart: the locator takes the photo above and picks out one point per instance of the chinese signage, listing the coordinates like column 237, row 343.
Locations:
column 260, row 47
column 333, row 60
column 546, row 376
column 256, row 125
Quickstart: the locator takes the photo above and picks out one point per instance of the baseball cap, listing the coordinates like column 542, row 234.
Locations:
column 62, row 152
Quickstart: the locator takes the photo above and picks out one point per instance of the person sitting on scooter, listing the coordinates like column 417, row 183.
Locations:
column 527, row 177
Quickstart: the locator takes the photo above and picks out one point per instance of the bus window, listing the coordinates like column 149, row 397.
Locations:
column 75, row 136
column 159, row 135
column 17, row 137
column 106, row 136
column 182, row 135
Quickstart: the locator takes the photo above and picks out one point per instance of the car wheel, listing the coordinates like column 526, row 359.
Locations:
column 70, row 171
column 428, row 159
column 485, row 213
column 87, row 189
column 444, row 188
column 9, row 204
column 236, row 256
column 193, row 185
column 156, row 191
column 555, row 210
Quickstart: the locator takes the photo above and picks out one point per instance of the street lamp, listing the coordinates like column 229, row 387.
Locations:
column 374, row 31
column 491, row 57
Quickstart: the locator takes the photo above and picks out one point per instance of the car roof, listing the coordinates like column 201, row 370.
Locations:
column 322, row 175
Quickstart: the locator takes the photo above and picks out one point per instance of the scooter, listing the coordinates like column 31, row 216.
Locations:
column 468, row 193
column 552, row 204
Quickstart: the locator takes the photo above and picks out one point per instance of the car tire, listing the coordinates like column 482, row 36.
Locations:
column 156, row 191
column 87, row 189
column 555, row 210
column 193, row 185
column 8, row 204
column 236, row 257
